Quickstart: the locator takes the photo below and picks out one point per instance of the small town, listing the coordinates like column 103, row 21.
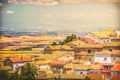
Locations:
column 59, row 39
column 93, row 55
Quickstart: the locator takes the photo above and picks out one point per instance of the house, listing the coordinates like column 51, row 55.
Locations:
column 102, row 38
column 111, row 46
column 96, row 76
column 115, row 70
column 75, row 43
column 68, row 68
column 106, row 69
column 57, row 66
column 84, row 56
column 115, row 77
column 89, row 48
column 115, row 40
column 115, row 56
column 103, row 56
column 4, row 66
column 50, row 49
column 43, row 64
column 43, row 67
column 111, row 33
column 95, row 68
column 17, row 62
column 80, row 69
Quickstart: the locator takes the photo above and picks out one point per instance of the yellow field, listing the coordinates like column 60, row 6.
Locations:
column 52, row 56
column 19, row 53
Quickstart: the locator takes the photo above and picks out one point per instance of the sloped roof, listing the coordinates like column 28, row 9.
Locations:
column 91, row 46
column 112, row 44
column 116, row 67
column 24, row 59
column 88, row 39
column 80, row 67
column 100, row 35
column 95, row 66
column 110, row 32
column 76, row 43
column 40, row 62
column 104, row 52
column 115, row 77
column 66, row 47
column 55, row 47
column 96, row 76
column 58, row 62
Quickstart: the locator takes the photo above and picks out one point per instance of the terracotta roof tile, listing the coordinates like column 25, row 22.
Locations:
column 116, row 67
column 88, row 39
column 115, row 77
column 15, row 60
column 96, row 76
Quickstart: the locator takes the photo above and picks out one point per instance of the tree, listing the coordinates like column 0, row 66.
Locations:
column 54, row 43
column 15, row 76
column 4, row 75
column 57, row 78
column 87, row 78
column 28, row 72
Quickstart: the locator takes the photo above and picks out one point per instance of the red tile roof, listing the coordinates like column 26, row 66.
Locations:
column 116, row 67
column 58, row 62
column 88, row 39
column 24, row 59
column 115, row 77
column 96, row 76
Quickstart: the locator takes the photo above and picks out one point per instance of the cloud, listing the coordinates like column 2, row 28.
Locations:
column 9, row 12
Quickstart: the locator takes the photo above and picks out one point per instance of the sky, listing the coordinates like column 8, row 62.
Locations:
column 71, row 15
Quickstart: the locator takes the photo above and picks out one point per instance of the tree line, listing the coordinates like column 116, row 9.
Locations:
column 68, row 39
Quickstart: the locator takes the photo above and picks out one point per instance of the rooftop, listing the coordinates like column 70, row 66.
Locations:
column 115, row 77
column 110, row 32
column 95, row 66
column 76, row 43
column 116, row 67
column 80, row 67
column 24, row 59
column 100, row 35
column 96, row 76
column 40, row 62
column 58, row 62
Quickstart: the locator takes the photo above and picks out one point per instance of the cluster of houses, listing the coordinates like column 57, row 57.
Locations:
column 98, row 58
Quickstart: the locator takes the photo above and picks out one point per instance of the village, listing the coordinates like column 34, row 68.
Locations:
column 93, row 54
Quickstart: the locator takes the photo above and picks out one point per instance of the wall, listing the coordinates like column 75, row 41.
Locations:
column 101, row 58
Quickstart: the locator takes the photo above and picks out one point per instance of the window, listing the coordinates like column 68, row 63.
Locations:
column 114, row 58
column 89, row 51
column 81, row 72
column 105, row 59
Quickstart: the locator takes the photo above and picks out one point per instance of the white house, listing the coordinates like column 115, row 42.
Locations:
column 17, row 62
column 103, row 56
